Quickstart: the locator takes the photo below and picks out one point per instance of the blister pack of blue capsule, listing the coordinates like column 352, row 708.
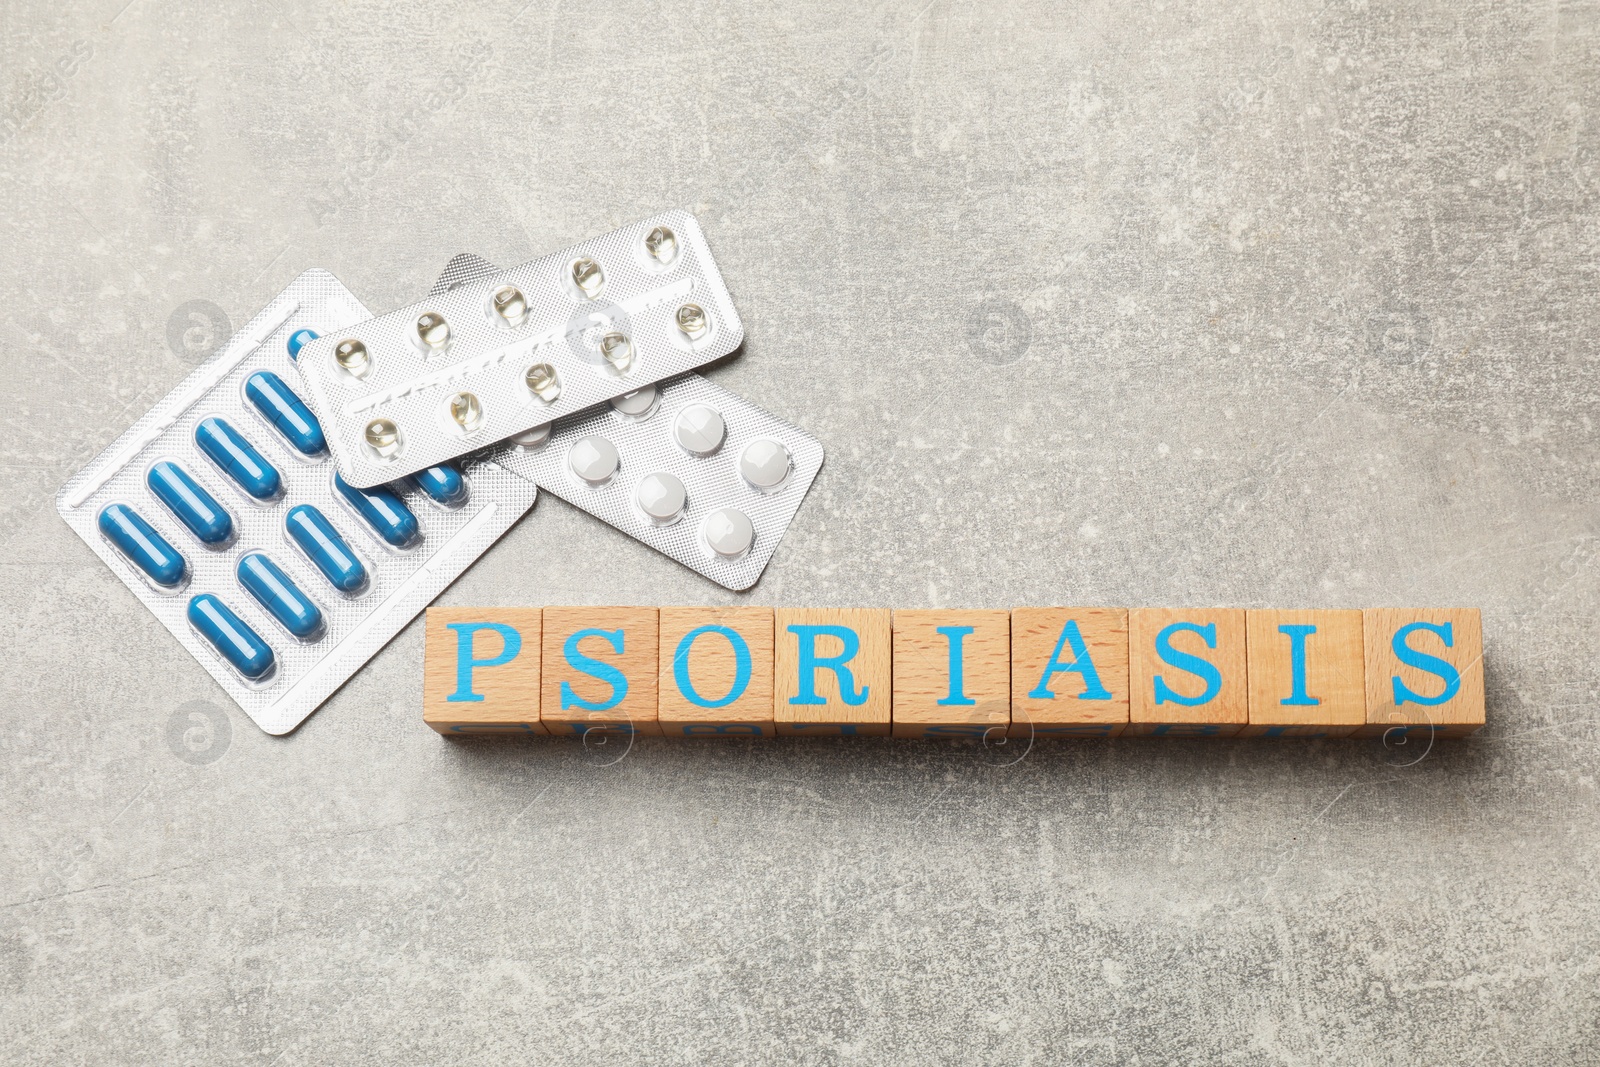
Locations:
column 506, row 353
column 223, row 511
column 689, row 468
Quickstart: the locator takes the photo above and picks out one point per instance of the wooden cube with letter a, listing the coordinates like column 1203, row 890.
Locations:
column 1307, row 673
column 716, row 672
column 1069, row 672
column 952, row 673
column 600, row 667
column 480, row 671
column 1188, row 672
column 832, row 671
column 1424, row 671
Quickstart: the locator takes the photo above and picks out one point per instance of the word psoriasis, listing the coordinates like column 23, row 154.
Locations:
column 1028, row 672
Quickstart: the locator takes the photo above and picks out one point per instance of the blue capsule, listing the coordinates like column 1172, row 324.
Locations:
column 298, row 340
column 230, row 451
column 444, row 484
column 286, row 411
column 276, row 592
column 315, row 535
column 195, row 508
column 135, row 539
column 229, row 635
column 382, row 510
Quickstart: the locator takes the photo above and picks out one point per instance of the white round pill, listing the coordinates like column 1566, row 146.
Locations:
column 699, row 430
column 528, row 440
column 594, row 459
column 765, row 465
column 661, row 496
column 638, row 403
column 728, row 532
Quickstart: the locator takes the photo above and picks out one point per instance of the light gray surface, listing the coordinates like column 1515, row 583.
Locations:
column 1128, row 303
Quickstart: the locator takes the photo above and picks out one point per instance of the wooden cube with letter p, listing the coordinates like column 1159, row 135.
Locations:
column 600, row 668
column 1188, row 672
column 1069, row 672
column 1424, row 671
column 952, row 673
column 716, row 672
column 833, row 671
column 1307, row 673
column 480, row 670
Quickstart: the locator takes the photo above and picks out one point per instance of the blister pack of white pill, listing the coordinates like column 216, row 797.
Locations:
column 503, row 354
column 222, row 510
column 689, row 468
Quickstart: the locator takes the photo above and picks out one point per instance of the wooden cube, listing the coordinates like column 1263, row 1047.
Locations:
column 480, row 670
column 1188, row 672
column 600, row 669
column 1307, row 673
column 716, row 672
column 1069, row 672
column 952, row 673
column 833, row 672
column 1424, row 671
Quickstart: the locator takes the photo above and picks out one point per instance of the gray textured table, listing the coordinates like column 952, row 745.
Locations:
column 1129, row 304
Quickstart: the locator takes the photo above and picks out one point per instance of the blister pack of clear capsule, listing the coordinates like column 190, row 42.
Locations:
column 512, row 351
column 222, row 510
column 685, row 466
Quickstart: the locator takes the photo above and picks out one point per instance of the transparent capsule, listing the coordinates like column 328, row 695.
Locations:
column 544, row 382
column 765, row 465
column 699, row 430
column 638, row 404
column 594, row 459
column 466, row 411
column 352, row 357
column 662, row 244
column 691, row 320
column 728, row 532
column 433, row 333
column 617, row 350
column 588, row 277
column 510, row 304
column 383, row 438
column 661, row 496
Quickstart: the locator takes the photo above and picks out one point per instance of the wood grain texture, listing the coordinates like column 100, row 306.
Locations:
column 711, row 664
column 509, row 692
column 1225, row 712
column 1464, row 711
column 1058, row 709
column 922, row 657
column 1335, row 674
column 871, row 672
column 638, row 661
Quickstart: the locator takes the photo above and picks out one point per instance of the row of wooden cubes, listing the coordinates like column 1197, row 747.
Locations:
column 1044, row 672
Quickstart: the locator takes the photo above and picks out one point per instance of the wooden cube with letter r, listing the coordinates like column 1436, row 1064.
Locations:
column 600, row 669
column 833, row 671
column 480, row 670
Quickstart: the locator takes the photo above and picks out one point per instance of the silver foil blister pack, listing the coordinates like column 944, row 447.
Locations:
column 685, row 466
column 223, row 516
column 511, row 351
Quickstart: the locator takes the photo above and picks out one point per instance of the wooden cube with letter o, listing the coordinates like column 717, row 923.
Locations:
column 716, row 672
